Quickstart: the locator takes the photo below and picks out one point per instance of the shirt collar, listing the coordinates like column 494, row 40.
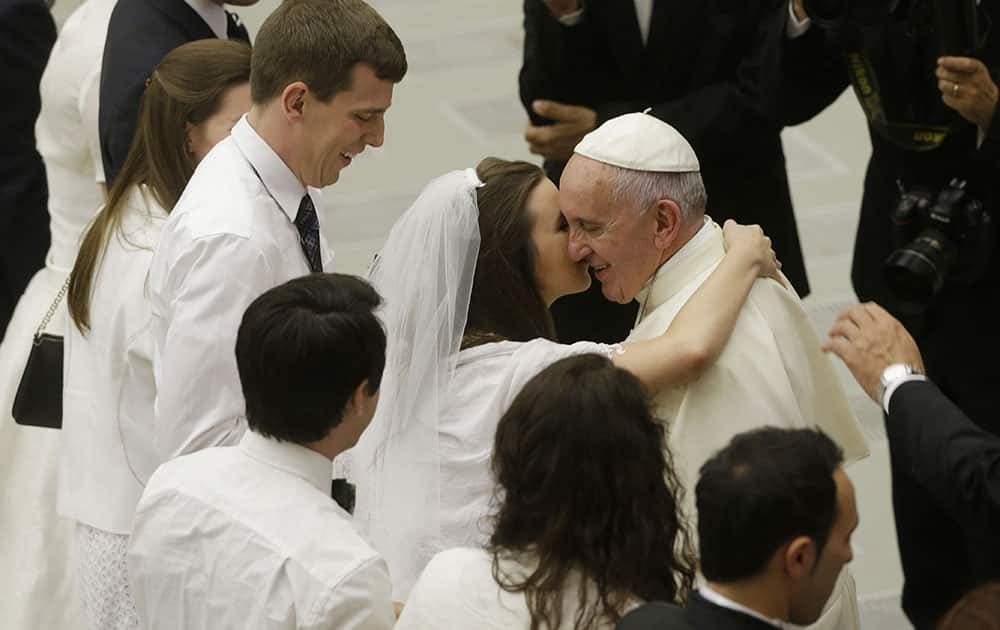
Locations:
column 289, row 457
column 283, row 186
column 702, row 252
column 721, row 600
column 213, row 14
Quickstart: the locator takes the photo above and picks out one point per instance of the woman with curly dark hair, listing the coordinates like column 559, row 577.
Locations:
column 586, row 524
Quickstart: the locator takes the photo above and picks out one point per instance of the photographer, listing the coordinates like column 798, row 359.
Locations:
column 921, row 70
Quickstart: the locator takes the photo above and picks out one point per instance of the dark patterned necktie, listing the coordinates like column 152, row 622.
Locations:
column 235, row 28
column 308, row 226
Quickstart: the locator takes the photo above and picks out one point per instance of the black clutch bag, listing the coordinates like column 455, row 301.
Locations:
column 38, row 402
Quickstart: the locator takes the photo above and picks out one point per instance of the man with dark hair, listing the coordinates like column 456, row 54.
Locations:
column 247, row 536
column 322, row 77
column 140, row 33
column 775, row 516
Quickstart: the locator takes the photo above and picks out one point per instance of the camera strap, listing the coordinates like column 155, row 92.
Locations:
column 914, row 137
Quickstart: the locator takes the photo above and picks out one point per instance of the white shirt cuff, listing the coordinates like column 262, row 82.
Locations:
column 891, row 388
column 796, row 27
column 571, row 19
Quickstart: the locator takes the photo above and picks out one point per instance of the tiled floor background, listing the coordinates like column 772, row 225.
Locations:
column 459, row 103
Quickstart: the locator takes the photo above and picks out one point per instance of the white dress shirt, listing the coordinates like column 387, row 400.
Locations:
column 724, row 602
column 214, row 15
column 643, row 13
column 107, row 433
column 487, row 378
column 457, row 590
column 230, row 238
column 248, row 537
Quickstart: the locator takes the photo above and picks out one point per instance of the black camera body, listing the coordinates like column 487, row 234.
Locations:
column 939, row 237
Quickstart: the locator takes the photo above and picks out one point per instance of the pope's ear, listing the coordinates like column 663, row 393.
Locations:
column 669, row 222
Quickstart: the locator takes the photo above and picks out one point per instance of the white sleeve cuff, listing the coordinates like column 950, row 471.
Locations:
column 796, row 27
column 891, row 388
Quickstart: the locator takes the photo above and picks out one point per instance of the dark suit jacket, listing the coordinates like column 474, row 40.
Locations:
column 27, row 34
column 140, row 33
column 699, row 614
column 957, row 464
column 699, row 72
column 957, row 334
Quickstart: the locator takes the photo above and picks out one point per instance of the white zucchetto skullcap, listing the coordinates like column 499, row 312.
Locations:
column 640, row 142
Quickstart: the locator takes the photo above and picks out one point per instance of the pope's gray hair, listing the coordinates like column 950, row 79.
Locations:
column 642, row 189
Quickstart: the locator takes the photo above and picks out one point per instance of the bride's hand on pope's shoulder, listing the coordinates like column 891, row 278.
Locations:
column 749, row 241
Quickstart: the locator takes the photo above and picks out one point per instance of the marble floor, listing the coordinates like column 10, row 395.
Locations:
column 458, row 103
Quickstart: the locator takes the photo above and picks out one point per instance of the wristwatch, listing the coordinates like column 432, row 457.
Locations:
column 890, row 375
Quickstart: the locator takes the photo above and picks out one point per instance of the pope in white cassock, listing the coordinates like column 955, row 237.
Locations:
column 771, row 372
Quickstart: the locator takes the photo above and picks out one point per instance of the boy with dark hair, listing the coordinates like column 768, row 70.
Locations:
column 248, row 536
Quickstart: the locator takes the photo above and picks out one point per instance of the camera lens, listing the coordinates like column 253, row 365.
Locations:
column 916, row 272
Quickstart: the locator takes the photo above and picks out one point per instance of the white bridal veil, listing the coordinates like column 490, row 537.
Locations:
column 424, row 274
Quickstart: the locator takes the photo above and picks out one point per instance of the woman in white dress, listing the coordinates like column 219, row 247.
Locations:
column 467, row 275
column 192, row 99
column 587, row 523
column 36, row 586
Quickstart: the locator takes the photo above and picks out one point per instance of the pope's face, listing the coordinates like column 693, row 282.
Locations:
column 617, row 240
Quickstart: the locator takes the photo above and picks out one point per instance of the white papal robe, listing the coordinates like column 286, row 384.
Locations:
column 771, row 372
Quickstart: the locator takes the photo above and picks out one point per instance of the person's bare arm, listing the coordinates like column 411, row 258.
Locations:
column 702, row 328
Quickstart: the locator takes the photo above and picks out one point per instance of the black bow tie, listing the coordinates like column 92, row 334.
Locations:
column 342, row 491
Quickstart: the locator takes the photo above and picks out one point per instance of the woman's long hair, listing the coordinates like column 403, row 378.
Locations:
column 585, row 488
column 185, row 88
column 505, row 302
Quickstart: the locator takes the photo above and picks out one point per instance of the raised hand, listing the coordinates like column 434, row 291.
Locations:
column 557, row 141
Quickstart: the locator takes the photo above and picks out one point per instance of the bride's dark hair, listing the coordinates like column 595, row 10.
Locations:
column 505, row 303
column 586, row 489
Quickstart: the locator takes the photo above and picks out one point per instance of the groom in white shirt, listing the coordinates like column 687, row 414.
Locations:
column 635, row 203
column 322, row 78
